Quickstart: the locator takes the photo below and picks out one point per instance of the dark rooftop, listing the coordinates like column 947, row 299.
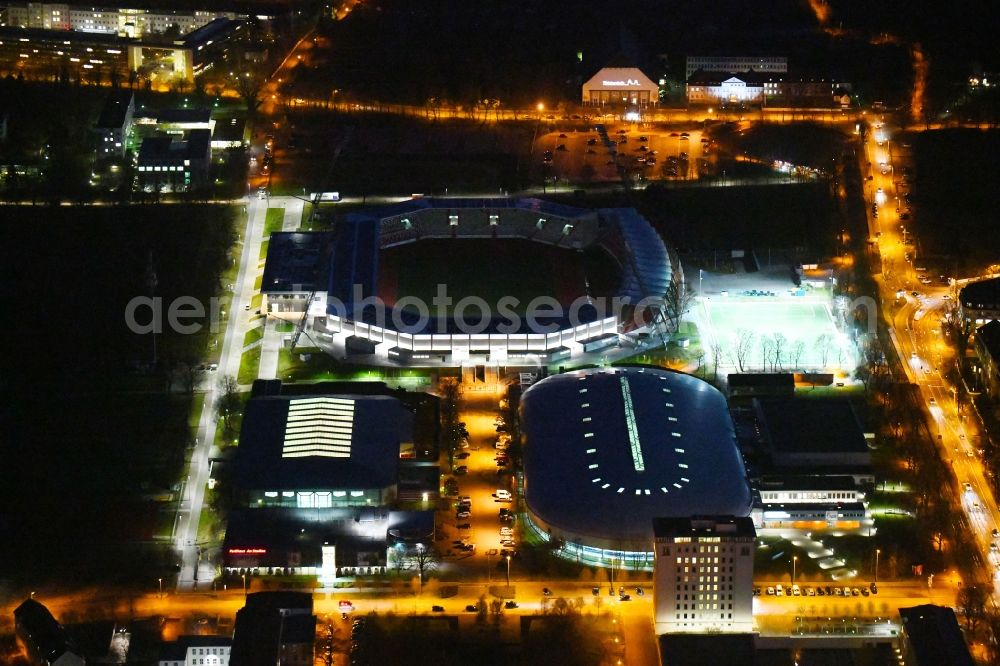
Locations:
column 36, row 623
column 806, row 482
column 177, row 650
column 212, row 30
column 609, row 450
column 115, row 109
column 229, row 129
column 353, row 442
column 981, row 294
column 297, row 262
column 354, row 531
column 988, row 335
column 704, row 526
column 706, row 650
column 935, row 636
column 176, row 115
column 162, row 147
column 811, row 425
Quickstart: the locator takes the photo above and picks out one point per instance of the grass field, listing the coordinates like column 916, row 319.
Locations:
column 491, row 269
column 804, row 322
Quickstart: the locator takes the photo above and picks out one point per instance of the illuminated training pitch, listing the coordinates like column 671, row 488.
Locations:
column 811, row 337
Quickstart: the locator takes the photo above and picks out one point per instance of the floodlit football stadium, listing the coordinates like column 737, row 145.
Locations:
column 631, row 445
column 450, row 281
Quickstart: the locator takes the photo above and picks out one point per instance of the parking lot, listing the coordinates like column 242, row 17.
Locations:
column 582, row 155
column 475, row 520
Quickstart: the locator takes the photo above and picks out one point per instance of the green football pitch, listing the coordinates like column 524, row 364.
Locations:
column 804, row 322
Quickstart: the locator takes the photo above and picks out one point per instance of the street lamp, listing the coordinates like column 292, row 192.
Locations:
column 507, row 557
column 701, row 274
column 244, row 587
column 878, row 552
column 160, row 581
column 795, row 559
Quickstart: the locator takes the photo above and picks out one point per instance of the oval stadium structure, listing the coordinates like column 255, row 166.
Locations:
column 608, row 450
column 525, row 279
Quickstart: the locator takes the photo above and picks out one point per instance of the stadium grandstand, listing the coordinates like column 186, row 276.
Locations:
column 448, row 281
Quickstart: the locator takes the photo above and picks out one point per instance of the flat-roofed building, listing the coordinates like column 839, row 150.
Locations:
column 703, row 574
column 113, row 124
column 979, row 303
column 196, row 651
column 986, row 344
column 932, row 637
column 166, row 163
column 806, row 434
column 731, row 64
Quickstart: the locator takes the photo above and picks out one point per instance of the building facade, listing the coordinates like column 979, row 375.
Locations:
column 979, row 303
column 196, row 651
column 114, row 123
column 703, row 574
column 167, row 164
column 728, row 64
column 620, row 86
column 124, row 21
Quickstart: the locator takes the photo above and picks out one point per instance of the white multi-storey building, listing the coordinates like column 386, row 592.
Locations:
column 731, row 64
column 703, row 574
column 196, row 651
column 127, row 22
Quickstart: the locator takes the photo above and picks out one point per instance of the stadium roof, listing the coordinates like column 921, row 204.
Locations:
column 410, row 206
column 321, row 441
column 629, row 445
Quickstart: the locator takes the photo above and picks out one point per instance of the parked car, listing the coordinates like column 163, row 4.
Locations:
column 437, row 609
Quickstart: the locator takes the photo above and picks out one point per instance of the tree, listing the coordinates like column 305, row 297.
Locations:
column 797, row 352
column 228, row 403
column 823, row 347
column 249, row 79
column 779, row 341
column 766, row 347
column 972, row 605
column 742, row 347
column 716, row 350
column 424, row 559
column 677, row 301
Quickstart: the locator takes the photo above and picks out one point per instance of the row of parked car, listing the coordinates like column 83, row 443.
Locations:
column 817, row 591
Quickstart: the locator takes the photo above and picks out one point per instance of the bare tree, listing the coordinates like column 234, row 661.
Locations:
column 716, row 350
column 972, row 604
column 778, row 340
column 228, row 403
column 424, row 559
column 766, row 348
column 797, row 352
column 742, row 348
column 823, row 347
column 677, row 301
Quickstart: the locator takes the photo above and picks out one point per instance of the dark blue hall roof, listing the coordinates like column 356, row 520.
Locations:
column 583, row 475
column 377, row 426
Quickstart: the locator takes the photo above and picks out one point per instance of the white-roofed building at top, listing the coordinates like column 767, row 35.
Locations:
column 620, row 86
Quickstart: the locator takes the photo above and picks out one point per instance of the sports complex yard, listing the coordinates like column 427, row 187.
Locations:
column 807, row 324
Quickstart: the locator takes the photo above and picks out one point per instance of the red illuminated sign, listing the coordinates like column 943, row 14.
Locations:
column 247, row 551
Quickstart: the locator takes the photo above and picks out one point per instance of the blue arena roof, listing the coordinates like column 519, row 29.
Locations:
column 346, row 260
column 609, row 450
column 313, row 442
